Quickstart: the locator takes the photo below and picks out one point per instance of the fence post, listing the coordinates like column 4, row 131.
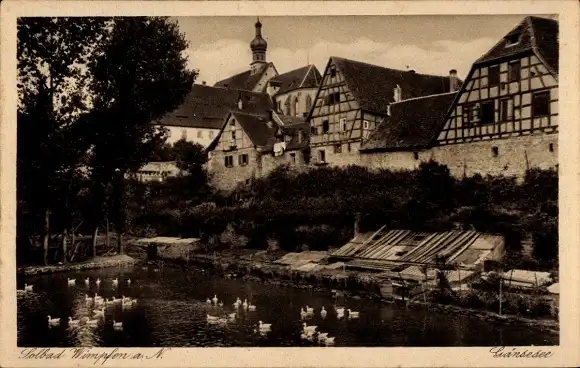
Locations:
column 500, row 285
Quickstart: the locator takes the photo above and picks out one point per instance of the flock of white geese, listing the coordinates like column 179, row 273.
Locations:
column 309, row 332
column 96, row 305
column 100, row 305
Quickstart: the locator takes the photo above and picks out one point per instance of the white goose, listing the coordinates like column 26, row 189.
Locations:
column 208, row 301
column 323, row 313
column 87, row 281
column 115, row 300
column 28, row 287
column 352, row 314
column 98, row 282
column 303, row 313
column 221, row 304
column 251, row 307
column 306, row 336
column 329, row 341
column 99, row 312
column 73, row 322
column 238, row 301
column 309, row 329
column 92, row 322
column 211, row 319
column 339, row 310
column 232, row 316
column 117, row 325
column 322, row 336
column 245, row 304
column 128, row 282
column 53, row 321
column 71, row 282
column 309, row 310
column 110, row 301
column 264, row 326
column 88, row 299
column 115, row 281
column 214, row 299
column 98, row 297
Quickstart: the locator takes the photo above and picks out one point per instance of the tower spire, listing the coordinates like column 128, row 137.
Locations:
column 258, row 47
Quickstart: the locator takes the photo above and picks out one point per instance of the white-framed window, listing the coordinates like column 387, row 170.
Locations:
column 200, row 134
column 183, row 133
column 366, row 124
column 321, row 156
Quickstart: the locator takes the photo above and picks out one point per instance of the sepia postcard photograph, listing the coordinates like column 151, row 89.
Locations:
column 254, row 177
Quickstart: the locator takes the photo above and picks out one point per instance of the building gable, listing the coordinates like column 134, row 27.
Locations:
column 232, row 136
column 506, row 94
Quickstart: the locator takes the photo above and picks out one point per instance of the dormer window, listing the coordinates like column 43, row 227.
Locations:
column 512, row 40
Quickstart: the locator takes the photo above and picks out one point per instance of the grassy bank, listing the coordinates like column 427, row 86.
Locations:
column 97, row 262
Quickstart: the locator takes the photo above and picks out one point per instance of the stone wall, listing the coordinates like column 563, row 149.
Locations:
column 508, row 157
column 514, row 155
column 270, row 162
column 227, row 178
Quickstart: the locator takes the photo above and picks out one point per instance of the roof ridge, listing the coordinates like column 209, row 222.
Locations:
column 389, row 68
column 246, row 113
column 427, row 96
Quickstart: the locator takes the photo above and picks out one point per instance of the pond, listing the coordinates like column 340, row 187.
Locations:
column 171, row 309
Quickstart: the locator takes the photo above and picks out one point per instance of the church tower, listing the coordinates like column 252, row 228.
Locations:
column 258, row 46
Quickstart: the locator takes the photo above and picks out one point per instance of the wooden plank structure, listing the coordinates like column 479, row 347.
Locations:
column 387, row 250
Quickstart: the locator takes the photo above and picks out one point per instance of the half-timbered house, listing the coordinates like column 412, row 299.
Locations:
column 251, row 145
column 353, row 99
column 504, row 120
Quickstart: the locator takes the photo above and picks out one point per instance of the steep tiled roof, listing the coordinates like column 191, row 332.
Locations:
column 256, row 127
column 372, row 85
column 412, row 124
column 537, row 34
column 288, row 120
column 244, row 80
column 207, row 107
column 305, row 77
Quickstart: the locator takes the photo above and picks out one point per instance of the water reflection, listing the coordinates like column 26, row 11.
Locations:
column 172, row 310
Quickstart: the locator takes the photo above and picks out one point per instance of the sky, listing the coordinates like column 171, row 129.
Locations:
column 219, row 46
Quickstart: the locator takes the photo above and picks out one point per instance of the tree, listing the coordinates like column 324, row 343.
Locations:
column 51, row 83
column 138, row 75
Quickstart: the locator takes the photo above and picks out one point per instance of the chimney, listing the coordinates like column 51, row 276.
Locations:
column 453, row 82
column 397, row 94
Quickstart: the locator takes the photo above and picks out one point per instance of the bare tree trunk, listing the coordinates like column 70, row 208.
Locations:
column 94, row 244
column 120, row 242
column 107, row 234
column 64, row 240
column 46, row 235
